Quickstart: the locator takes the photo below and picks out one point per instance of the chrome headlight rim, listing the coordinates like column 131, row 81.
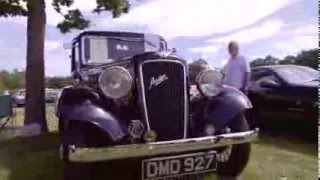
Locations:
column 218, row 82
column 102, row 76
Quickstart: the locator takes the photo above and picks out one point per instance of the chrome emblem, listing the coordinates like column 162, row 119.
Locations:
column 122, row 47
column 136, row 129
column 154, row 82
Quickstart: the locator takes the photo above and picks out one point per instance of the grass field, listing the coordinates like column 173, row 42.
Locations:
column 272, row 157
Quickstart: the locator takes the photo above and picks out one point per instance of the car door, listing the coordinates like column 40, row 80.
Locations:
column 268, row 93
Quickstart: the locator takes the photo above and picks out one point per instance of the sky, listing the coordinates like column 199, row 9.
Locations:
column 197, row 29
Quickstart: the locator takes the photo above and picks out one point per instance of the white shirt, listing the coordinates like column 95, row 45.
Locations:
column 235, row 71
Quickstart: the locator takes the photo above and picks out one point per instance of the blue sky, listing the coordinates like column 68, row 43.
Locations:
column 199, row 28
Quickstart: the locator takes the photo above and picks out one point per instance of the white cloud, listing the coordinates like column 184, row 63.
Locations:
column 285, row 40
column 205, row 49
column 310, row 29
column 204, row 17
column 296, row 44
column 16, row 20
column 58, row 63
column 51, row 45
column 265, row 30
column 218, row 47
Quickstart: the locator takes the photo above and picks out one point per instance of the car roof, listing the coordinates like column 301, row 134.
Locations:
column 273, row 67
column 116, row 34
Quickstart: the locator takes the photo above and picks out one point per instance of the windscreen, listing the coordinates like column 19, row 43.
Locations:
column 298, row 74
column 103, row 49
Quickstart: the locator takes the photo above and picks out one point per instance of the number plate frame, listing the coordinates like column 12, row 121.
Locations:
column 188, row 164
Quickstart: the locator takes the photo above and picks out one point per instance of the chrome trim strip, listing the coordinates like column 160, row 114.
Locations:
column 159, row 148
column 186, row 113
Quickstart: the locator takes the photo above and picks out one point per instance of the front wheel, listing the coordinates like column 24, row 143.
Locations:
column 240, row 153
column 81, row 134
column 74, row 136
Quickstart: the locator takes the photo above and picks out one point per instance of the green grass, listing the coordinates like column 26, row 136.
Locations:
column 51, row 118
column 279, row 158
column 272, row 158
column 30, row 158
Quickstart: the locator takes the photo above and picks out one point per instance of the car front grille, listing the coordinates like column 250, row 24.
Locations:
column 164, row 98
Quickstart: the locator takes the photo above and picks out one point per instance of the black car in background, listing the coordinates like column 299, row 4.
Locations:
column 285, row 92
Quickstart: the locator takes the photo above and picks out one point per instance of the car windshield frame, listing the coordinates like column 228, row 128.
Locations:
column 293, row 74
column 84, row 61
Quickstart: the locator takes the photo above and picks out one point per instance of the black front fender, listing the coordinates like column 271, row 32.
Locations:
column 95, row 115
column 229, row 103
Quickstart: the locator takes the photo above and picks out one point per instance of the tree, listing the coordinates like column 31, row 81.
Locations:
column 304, row 58
column 288, row 60
column 11, row 80
column 308, row 58
column 36, row 15
column 57, row 82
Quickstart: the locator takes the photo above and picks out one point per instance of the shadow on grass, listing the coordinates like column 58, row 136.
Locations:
column 30, row 158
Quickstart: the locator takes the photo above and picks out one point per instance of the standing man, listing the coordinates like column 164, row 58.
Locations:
column 237, row 69
column 236, row 74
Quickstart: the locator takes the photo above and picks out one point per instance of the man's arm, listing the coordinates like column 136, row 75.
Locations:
column 247, row 74
column 246, row 79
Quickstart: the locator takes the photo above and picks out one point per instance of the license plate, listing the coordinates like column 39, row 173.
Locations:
column 172, row 166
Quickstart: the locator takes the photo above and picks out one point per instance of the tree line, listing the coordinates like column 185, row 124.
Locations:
column 14, row 80
column 305, row 58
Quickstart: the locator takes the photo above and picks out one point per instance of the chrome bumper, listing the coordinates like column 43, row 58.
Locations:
column 158, row 148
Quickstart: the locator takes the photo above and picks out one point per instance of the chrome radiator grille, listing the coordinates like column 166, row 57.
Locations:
column 164, row 94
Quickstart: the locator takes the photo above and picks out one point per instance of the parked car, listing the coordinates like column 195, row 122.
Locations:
column 129, row 111
column 6, row 92
column 51, row 95
column 20, row 97
column 285, row 92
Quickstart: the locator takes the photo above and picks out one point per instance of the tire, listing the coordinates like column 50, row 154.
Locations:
column 86, row 135
column 252, row 116
column 240, row 153
column 73, row 136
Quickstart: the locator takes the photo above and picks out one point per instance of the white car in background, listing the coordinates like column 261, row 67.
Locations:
column 50, row 96
column 20, row 97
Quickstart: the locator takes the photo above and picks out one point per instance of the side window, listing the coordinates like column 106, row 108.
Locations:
column 259, row 73
column 75, row 57
column 163, row 46
column 267, row 77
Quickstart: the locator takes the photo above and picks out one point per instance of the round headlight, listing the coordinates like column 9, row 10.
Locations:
column 115, row 82
column 209, row 82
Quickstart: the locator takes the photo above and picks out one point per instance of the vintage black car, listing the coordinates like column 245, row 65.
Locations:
column 129, row 113
column 285, row 92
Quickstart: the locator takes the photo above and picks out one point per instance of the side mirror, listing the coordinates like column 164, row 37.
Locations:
column 174, row 50
column 269, row 84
